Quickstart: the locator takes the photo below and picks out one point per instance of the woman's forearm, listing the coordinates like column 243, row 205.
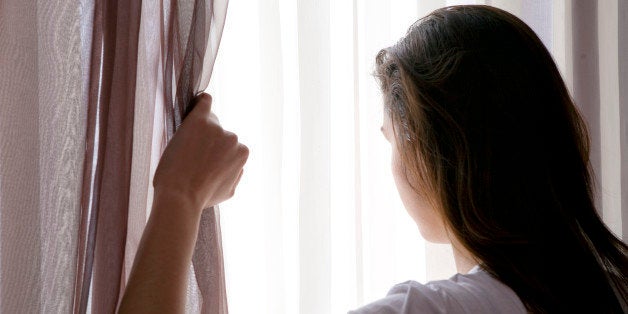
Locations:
column 159, row 276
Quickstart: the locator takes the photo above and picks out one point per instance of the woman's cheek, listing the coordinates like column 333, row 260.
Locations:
column 427, row 218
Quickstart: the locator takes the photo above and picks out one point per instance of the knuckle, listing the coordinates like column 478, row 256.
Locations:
column 202, row 105
column 204, row 101
column 230, row 137
column 243, row 152
column 212, row 129
column 207, row 98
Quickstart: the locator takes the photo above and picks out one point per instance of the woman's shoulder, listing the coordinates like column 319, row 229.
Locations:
column 475, row 292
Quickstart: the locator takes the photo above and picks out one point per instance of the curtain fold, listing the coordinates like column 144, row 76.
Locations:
column 623, row 113
column 192, row 50
column 586, row 80
column 107, row 172
column 20, row 279
column 42, row 135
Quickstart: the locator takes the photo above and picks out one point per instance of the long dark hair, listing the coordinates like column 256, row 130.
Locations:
column 487, row 128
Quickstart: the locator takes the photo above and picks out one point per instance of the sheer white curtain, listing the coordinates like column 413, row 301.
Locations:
column 316, row 225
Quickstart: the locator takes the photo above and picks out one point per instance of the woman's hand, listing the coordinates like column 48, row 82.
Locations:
column 202, row 163
column 200, row 168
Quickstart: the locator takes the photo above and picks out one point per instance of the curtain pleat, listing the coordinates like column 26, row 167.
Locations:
column 144, row 152
column 208, row 264
column 121, row 30
column 315, row 176
column 623, row 112
column 91, row 171
column 61, row 141
column 42, row 117
column 106, row 182
column 20, row 279
column 586, row 80
column 191, row 52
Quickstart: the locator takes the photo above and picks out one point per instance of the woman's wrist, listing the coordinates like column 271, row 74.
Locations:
column 176, row 202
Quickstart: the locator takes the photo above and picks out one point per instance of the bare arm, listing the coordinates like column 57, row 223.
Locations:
column 200, row 168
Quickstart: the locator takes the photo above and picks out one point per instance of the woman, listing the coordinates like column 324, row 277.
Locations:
column 489, row 154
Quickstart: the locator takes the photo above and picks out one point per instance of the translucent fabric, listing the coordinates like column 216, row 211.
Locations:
column 90, row 93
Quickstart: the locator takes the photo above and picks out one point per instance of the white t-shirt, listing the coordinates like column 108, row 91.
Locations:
column 474, row 292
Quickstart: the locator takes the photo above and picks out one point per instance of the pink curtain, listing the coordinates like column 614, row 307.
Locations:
column 85, row 88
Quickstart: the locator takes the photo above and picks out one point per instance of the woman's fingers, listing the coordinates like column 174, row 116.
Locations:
column 202, row 106
column 237, row 181
column 240, row 160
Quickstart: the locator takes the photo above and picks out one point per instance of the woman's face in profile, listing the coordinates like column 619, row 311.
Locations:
column 428, row 219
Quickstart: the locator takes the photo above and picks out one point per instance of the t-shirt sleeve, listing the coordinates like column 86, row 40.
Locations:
column 412, row 297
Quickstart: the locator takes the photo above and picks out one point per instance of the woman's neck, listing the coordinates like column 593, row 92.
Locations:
column 464, row 260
